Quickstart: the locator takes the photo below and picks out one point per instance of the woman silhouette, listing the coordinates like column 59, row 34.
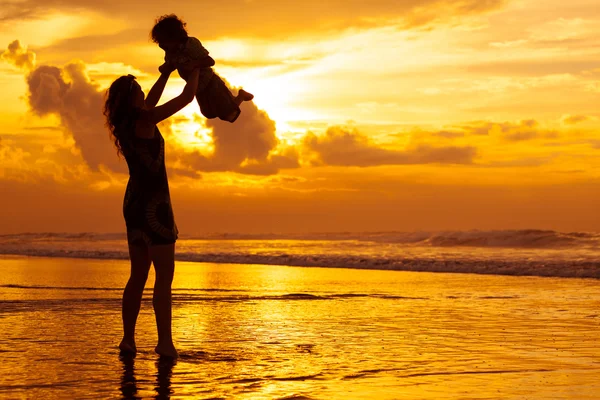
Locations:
column 151, row 229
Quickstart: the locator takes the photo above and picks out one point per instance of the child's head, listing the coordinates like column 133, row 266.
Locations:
column 169, row 31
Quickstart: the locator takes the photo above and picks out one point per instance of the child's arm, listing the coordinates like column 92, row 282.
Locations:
column 169, row 65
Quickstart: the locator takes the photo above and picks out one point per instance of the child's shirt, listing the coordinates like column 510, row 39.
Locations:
column 191, row 50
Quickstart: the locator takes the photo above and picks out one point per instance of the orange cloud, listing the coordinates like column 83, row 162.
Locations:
column 19, row 56
column 448, row 134
column 269, row 17
column 69, row 94
column 509, row 131
column 574, row 119
column 43, row 155
column 348, row 147
column 248, row 146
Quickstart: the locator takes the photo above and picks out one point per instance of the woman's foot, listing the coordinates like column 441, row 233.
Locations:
column 127, row 346
column 245, row 96
column 167, row 350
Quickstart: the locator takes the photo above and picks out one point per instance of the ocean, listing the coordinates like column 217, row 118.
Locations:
column 519, row 252
column 518, row 318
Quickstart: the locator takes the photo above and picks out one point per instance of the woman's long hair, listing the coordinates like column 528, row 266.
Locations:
column 121, row 113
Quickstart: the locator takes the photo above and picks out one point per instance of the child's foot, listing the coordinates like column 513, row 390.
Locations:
column 167, row 350
column 245, row 96
column 127, row 347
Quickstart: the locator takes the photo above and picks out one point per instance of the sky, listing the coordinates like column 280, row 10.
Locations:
column 372, row 115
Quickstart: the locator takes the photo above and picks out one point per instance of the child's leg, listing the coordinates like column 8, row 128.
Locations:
column 243, row 96
column 217, row 100
column 206, row 106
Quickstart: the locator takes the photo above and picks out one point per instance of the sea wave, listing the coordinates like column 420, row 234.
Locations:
column 524, row 238
column 61, row 236
column 574, row 268
column 506, row 252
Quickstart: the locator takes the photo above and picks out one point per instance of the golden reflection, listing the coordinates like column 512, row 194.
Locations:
column 164, row 371
column 253, row 331
column 128, row 381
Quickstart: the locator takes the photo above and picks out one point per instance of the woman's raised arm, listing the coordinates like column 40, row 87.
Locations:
column 157, row 89
column 164, row 111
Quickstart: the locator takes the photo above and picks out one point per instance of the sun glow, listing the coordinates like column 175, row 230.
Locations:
column 276, row 94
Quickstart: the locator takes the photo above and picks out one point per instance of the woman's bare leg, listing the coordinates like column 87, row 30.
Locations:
column 132, row 295
column 163, row 257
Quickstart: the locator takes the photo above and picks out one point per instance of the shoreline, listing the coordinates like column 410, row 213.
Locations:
column 540, row 269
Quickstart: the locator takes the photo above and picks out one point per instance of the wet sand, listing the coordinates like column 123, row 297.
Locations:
column 251, row 331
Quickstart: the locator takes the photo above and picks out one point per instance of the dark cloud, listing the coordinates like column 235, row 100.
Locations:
column 247, row 146
column 69, row 94
column 520, row 162
column 184, row 173
column 286, row 179
column 575, row 119
column 448, row 134
column 595, row 144
column 251, row 137
column 348, row 147
column 509, row 131
column 268, row 17
column 19, row 56
column 521, row 135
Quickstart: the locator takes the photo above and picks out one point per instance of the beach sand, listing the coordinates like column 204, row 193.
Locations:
column 252, row 331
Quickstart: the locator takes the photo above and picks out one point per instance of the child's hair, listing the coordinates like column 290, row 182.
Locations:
column 168, row 26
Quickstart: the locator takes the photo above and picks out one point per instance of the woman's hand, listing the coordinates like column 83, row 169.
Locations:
column 166, row 68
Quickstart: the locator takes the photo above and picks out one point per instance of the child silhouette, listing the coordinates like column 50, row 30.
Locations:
column 186, row 53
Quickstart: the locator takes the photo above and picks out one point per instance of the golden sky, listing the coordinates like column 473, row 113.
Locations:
column 369, row 115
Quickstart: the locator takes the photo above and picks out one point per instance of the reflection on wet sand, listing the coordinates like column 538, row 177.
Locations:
column 164, row 367
column 164, row 372
column 128, row 382
column 265, row 332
